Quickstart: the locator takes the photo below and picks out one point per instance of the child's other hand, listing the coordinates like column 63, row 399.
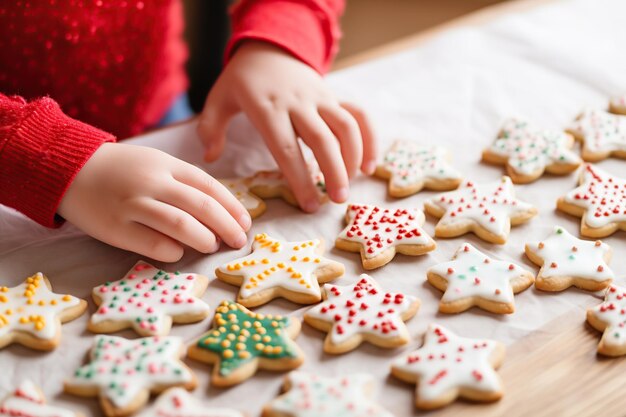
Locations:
column 146, row 201
column 286, row 99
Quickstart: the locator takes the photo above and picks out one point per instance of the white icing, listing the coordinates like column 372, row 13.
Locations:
column 566, row 255
column 379, row 229
column 472, row 273
column 446, row 362
column 602, row 195
column 123, row 368
column 278, row 264
column 240, row 189
column 491, row 205
column 530, row 149
column 602, row 131
column 363, row 308
column 612, row 312
column 27, row 401
column 312, row 395
column 145, row 296
column 32, row 308
column 411, row 163
column 177, row 402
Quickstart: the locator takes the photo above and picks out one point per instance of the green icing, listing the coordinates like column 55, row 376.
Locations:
column 239, row 336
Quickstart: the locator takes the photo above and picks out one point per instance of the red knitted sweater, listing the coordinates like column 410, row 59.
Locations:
column 112, row 66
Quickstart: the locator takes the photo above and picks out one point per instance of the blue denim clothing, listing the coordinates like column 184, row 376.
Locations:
column 179, row 110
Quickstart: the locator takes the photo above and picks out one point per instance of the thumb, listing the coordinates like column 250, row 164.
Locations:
column 212, row 126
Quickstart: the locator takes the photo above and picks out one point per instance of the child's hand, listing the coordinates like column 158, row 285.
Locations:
column 286, row 99
column 146, row 201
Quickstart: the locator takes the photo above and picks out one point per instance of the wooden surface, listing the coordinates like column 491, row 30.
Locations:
column 396, row 19
column 476, row 18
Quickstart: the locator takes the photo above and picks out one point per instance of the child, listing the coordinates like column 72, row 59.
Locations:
column 118, row 65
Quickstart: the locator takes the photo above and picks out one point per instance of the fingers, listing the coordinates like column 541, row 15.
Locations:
column 318, row 136
column 346, row 130
column 206, row 212
column 210, row 187
column 177, row 224
column 368, row 165
column 148, row 242
column 276, row 129
column 213, row 123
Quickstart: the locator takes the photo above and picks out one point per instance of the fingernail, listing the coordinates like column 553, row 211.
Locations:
column 342, row 194
column 241, row 240
column 370, row 167
column 311, row 206
column 245, row 221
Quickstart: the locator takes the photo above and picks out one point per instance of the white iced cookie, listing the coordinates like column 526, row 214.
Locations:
column 409, row 167
column 177, row 402
column 528, row 151
column 488, row 210
column 617, row 105
column 566, row 260
column 28, row 401
column 362, row 312
column 240, row 188
column 123, row 373
column 311, row 395
column 610, row 318
column 603, row 134
column 379, row 233
column 474, row 279
column 31, row 314
column 448, row 366
column 600, row 200
column 275, row 268
column 148, row 300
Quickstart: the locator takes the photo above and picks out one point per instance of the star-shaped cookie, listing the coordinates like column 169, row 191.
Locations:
column 378, row 234
column 448, row 366
column 240, row 342
column 409, row 167
column 617, row 105
column 273, row 184
column 28, row 401
column 600, row 200
column 362, row 312
column 276, row 268
column 603, row 134
column 312, row 395
column 148, row 300
column 488, row 210
column 123, row 373
column 31, row 314
column 566, row 260
column 240, row 188
column 177, row 402
column 474, row 279
column 610, row 318
column 528, row 151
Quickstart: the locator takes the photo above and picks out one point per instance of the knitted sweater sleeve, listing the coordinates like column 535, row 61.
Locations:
column 308, row 29
column 41, row 151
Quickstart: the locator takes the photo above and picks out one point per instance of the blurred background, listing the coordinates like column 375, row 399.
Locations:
column 366, row 24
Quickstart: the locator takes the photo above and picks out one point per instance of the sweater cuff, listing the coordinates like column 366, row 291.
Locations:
column 45, row 151
column 306, row 29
